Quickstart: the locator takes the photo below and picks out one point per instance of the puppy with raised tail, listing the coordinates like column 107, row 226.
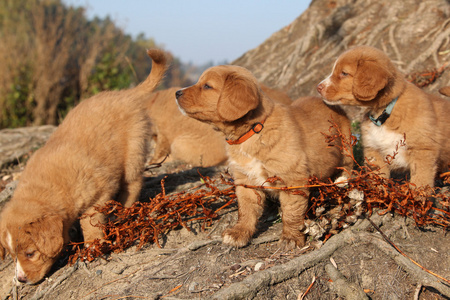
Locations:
column 265, row 139
column 98, row 152
column 396, row 111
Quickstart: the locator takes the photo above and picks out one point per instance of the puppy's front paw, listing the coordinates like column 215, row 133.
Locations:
column 289, row 242
column 92, row 234
column 236, row 236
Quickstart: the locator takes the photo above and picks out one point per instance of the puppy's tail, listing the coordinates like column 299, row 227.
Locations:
column 159, row 67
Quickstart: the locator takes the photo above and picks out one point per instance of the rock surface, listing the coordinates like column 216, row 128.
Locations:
column 15, row 143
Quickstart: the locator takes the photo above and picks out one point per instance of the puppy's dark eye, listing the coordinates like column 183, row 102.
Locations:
column 344, row 74
column 30, row 254
column 207, row 86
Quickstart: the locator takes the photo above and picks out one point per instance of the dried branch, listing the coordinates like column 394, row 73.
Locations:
column 425, row 78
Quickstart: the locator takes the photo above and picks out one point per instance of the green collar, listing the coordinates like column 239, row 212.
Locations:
column 385, row 114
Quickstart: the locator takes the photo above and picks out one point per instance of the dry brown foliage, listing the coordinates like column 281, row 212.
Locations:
column 425, row 78
column 368, row 189
column 145, row 222
column 333, row 206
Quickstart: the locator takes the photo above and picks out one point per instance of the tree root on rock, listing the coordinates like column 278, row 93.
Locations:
column 342, row 287
column 250, row 286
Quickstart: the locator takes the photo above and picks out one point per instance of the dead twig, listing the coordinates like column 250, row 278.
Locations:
column 425, row 78
column 156, row 165
column 422, row 277
column 173, row 290
column 332, row 207
column 303, row 295
column 417, row 291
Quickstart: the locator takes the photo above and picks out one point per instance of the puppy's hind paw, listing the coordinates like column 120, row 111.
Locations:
column 236, row 237
column 289, row 243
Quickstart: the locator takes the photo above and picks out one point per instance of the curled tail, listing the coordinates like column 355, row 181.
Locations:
column 159, row 67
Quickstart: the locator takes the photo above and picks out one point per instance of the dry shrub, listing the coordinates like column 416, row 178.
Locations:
column 48, row 53
column 145, row 222
column 336, row 206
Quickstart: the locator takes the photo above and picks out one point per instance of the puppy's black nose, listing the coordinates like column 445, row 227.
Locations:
column 179, row 93
column 22, row 279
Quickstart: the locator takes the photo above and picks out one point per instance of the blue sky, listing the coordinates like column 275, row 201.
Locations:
column 200, row 31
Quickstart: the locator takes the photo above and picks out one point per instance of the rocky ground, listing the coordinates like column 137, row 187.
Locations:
column 190, row 264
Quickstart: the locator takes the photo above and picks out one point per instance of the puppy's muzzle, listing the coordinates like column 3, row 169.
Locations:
column 178, row 94
column 320, row 88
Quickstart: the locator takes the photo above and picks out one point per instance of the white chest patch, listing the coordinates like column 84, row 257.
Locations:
column 386, row 142
column 253, row 168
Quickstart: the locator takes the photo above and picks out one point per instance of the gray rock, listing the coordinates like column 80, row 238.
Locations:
column 15, row 143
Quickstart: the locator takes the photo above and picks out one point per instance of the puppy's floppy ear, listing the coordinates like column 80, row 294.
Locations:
column 47, row 234
column 370, row 78
column 239, row 96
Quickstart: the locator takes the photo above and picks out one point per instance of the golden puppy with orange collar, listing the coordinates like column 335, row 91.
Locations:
column 265, row 139
column 178, row 137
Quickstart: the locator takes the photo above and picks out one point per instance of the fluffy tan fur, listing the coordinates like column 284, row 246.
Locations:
column 290, row 146
column 97, row 152
column 445, row 91
column 179, row 137
column 365, row 76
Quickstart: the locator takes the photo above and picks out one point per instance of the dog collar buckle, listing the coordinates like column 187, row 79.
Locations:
column 256, row 128
column 384, row 115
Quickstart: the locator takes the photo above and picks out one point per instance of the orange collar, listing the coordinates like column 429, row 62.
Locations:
column 256, row 128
